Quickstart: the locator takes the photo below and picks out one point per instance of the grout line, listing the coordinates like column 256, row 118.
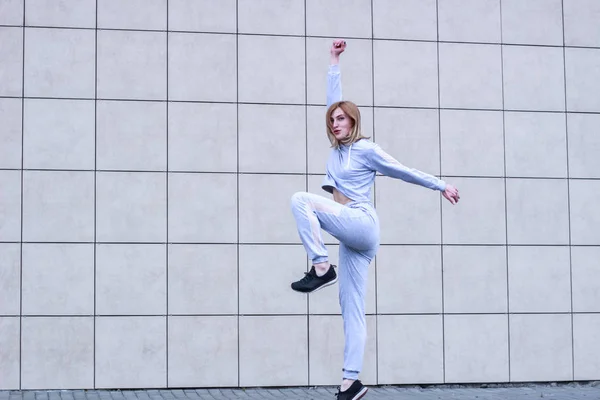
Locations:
column 167, row 202
column 505, row 195
column 374, row 195
column 439, row 104
column 95, row 185
column 362, row 106
column 568, row 190
column 389, row 39
column 300, row 244
column 261, row 315
column 237, row 128
column 130, row 171
column 22, row 192
column 306, row 181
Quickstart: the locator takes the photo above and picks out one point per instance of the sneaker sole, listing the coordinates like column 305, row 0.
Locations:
column 361, row 394
column 320, row 287
column 333, row 282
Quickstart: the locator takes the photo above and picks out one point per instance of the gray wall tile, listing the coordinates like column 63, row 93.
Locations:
column 131, row 207
column 58, row 206
column 202, row 15
column 47, row 342
column 261, row 339
column 470, row 76
column 585, row 216
column 479, row 217
column 284, row 17
column 271, row 69
column 58, row 279
column 256, row 296
column 323, row 18
column 59, row 134
column 534, row 78
column 416, row 222
column 472, row 142
column 584, row 145
column 475, row 279
column 476, row 348
column 583, row 72
column 356, row 66
column 198, row 203
column 62, row 13
column 409, row 280
column 202, row 67
column 10, row 205
column 9, row 353
column 532, row 22
column 541, row 347
column 11, row 70
column 469, row 20
column 10, row 280
column 131, row 279
column 586, row 278
column 279, row 131
column 326, row 350
column 59, row 62
column 536, row 144
column 131, row 352
column 267, row 218
column 405, row 74
column 11, row 12
column 586, row 328
column 203, row 279
column 411, row 136
column 132, row 65
column 410, row 349
column 132, row 14
column 539, row 279
column 10, row 135
column 203, row 351
column 581, row 27
column 131, row 135
column 203, row 137
column 405, row 19
column 536, row 211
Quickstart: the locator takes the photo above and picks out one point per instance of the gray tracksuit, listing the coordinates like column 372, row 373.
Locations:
column 351, row 170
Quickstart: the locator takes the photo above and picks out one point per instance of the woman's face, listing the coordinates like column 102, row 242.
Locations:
column 341, row 124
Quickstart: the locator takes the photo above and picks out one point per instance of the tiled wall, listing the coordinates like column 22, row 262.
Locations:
column 146, row 238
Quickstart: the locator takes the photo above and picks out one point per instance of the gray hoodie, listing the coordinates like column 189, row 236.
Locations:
column 351, row 168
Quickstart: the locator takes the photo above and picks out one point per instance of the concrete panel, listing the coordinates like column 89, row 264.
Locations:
column 62, row 13
column 11, row 52
column 586, row 328
column 581, row 27
column 10, row 279
column 585, row 216
column 10, row 135
column 132, row 14
column 284, row 17
column 584, row 145
column 11, row 12
column 405, row 19
column 469, row 20
column 10, row 206
column 323, row 18
column 9, row 353
column 586, row 278
column 532, row 22
column 202, row 15
column 583, row 72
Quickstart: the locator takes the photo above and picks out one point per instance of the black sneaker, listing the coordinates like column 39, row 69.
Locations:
column 312, row 282
column 354, row 392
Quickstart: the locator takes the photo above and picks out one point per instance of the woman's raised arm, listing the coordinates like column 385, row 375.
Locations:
column 334, row 79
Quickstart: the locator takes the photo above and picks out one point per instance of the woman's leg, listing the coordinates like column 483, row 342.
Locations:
column 353, row 274
column 313, row 213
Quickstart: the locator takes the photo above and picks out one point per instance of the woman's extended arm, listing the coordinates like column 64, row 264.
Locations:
column 334, row 80
column 387, row 165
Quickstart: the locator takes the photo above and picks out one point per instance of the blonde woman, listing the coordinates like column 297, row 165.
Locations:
column 350, row 218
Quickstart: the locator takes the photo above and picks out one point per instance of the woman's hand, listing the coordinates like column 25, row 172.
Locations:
column 338, row 47
column 451, row 194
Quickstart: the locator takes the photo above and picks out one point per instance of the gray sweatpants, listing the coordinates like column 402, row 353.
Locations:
column 356, row 226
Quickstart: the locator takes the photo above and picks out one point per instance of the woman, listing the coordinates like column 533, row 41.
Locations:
column 350, row 218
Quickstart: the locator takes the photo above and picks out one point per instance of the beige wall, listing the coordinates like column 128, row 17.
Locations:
column 145, row 232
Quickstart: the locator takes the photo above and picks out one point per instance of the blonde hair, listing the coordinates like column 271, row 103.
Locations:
column 352, row 111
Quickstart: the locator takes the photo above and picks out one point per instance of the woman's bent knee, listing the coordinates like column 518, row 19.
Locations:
column 298, row 199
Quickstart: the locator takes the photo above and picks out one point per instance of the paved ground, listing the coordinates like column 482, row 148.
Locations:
column 570, row 391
